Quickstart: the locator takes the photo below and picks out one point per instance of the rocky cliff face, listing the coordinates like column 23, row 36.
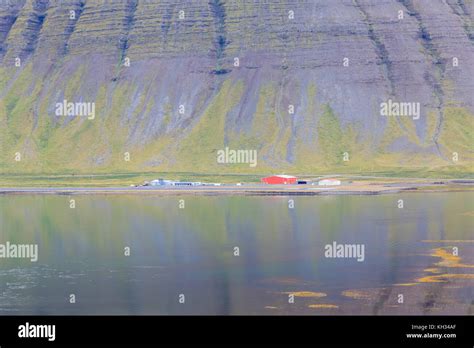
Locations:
column 172, row 82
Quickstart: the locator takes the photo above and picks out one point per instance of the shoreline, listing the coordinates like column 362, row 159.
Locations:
column 246, row 190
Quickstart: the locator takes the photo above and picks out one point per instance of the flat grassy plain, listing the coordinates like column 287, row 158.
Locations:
column 112, row 180
column 137, row 178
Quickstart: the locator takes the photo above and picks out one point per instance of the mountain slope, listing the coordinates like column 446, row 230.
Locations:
column 168, row 93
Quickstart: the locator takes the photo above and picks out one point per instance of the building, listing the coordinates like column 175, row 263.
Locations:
column 329, row 182
column 186, row 183
column 279, row 179
column 161, row 182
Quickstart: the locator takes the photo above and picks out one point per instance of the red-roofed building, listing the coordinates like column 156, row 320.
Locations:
column 279, row 179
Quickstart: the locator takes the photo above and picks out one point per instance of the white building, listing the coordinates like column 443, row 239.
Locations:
column 329, row 182
column 161, row 182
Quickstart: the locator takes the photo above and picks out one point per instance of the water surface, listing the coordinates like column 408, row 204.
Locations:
column 190, row 251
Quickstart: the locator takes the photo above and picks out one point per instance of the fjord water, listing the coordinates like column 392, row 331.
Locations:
column 190, row 251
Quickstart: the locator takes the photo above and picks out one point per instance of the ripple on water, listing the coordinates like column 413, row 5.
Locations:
column 358, row 294
column 306, row 294
column 323, row 305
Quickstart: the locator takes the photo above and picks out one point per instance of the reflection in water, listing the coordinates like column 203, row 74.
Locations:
column 191, row 251
column 322, row 305
column 448, row 260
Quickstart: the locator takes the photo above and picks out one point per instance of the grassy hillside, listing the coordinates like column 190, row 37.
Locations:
column 184, row 97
